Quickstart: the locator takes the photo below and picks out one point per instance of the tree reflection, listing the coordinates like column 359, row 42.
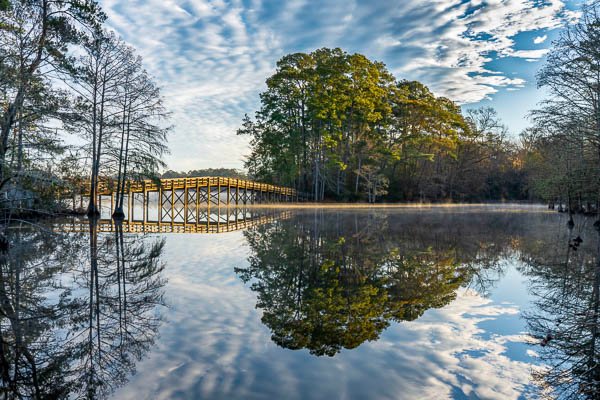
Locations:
column 76, row 311
column 331, row 281
column 566, row 285
column 31, row 355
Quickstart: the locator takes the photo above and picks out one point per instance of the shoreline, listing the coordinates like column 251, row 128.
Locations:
column 386, row 205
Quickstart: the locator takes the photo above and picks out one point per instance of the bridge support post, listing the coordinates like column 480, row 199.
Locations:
column 185, row 202
column 197, row 201
column 208, row 201
column 160, row 204
column 237, row 194
column 130, row 204
column 144, row 203
column 228, row 194
column 172, row 202
column 208, row 194
column 219, row 193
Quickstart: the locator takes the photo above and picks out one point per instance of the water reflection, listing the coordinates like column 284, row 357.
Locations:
column 76, row 310
column 214, row 220
column 566, row 285
column 430, row 304
column 330, row 281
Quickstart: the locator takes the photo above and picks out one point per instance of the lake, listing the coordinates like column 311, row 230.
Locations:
column 461, row 302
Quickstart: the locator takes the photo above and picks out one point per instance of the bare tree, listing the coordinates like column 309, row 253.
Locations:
column 572, row 114
column 143, row 138
column 101, row 73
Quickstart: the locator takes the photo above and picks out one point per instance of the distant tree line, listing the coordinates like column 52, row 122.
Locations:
column 64, row 74
column 223, row 172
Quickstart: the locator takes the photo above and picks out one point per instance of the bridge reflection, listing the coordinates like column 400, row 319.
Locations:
column 208, row 220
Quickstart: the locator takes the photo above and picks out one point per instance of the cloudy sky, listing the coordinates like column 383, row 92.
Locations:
column 211, row 57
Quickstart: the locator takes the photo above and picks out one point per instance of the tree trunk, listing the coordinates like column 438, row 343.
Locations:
column 358, row 175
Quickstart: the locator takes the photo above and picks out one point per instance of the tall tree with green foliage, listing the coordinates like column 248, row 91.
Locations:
column 339, row 125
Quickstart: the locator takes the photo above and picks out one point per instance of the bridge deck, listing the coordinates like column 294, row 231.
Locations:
column 108, row 187
column 183, row 199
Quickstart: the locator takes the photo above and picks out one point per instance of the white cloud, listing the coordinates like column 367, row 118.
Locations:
column 540, row 39
column 529, row 54
column 387, row 41
column 212, row 57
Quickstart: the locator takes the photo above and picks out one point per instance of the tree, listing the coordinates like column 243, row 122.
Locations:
column 101, row 72
column 570, row 118
column 143, row 139
column 120, row 113
column 35, row 41
column 339, row 125
column 424, row 130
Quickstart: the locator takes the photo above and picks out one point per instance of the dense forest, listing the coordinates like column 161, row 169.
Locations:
column 224, row 172
column 340, row 126
column 64, row 76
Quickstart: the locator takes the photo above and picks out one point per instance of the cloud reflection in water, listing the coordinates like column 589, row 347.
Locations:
column 215, row 346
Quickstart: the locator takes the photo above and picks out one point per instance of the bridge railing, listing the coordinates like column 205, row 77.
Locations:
column 106, row 187
column 190, row 193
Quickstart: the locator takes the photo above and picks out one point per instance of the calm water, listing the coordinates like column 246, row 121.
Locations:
column 461, row 302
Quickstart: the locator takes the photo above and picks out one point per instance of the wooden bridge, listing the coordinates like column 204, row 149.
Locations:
column 226, row 220
column 185, row 200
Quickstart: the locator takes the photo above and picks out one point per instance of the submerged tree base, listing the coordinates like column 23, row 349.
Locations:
column 92, row 211
column 118, row 215
column 4, row 243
